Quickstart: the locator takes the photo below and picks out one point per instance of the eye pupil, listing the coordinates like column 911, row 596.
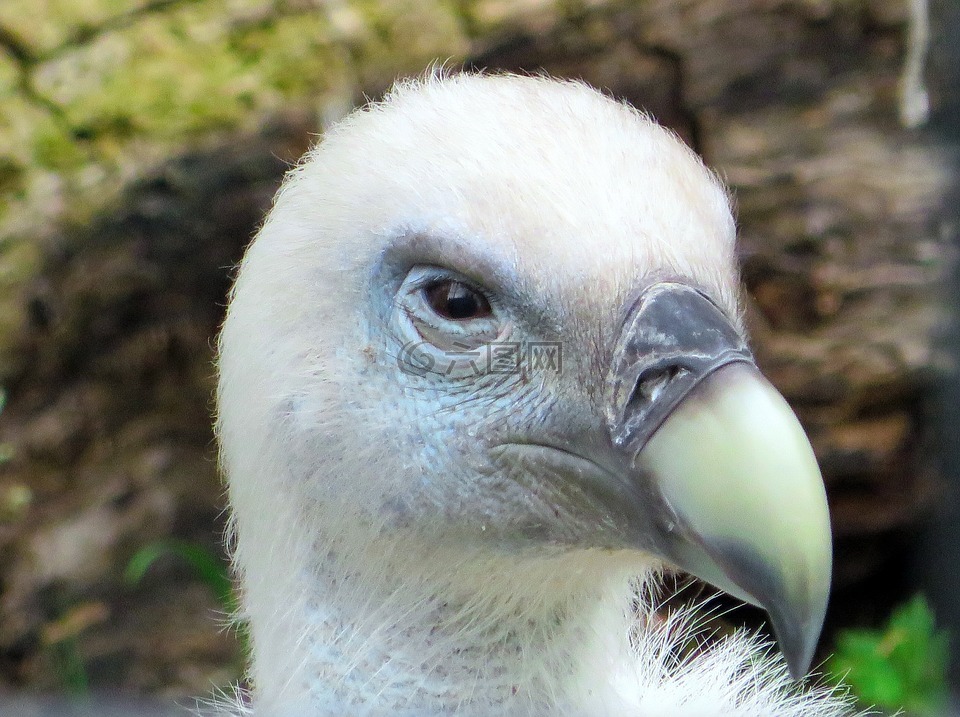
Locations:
column 456, row 301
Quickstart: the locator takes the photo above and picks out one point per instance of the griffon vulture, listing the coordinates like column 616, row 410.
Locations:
column 482, row 375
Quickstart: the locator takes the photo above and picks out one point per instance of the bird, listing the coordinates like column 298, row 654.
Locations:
column 483, row 376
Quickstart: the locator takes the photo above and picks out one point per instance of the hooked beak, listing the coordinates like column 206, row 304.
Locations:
column 736, row 496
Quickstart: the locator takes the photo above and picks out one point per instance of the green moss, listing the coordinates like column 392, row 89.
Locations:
column 148, row 79
column 54, row 149
column 292, row 55
column 19, row 260
column 175, row 75
column 9, row 75
column 198, row 69
column 11, row 166
column 11, row 176
column 44, row 24
column 19, row 263
column 404, row 36
column 30, row 135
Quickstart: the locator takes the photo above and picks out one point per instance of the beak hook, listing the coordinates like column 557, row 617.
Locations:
column 735, row 495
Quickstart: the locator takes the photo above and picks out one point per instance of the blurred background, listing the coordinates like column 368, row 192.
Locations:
column 141, row 142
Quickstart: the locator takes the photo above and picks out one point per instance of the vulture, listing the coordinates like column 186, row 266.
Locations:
column 483, row 376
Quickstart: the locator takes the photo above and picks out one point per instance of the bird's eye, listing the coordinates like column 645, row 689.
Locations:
column 441, row 310
column 455, row 301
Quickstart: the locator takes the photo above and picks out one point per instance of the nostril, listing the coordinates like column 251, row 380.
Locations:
column 652, row 383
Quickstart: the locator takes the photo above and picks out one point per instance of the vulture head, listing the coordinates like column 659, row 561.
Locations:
column 483, row 374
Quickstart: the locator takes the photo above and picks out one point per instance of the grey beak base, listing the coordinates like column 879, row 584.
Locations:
column 673, row 337
column 737, row 497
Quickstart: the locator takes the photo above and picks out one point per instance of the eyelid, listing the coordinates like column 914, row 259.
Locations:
column 428, row 276
column 435, row 274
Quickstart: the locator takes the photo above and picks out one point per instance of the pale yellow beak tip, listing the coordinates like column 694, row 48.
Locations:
column 736, row 469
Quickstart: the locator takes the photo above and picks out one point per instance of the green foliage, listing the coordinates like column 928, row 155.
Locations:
column 902, row 666
column 208, row 567
column 70, row 668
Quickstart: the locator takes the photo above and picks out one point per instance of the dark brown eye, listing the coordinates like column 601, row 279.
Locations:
column 456, row 301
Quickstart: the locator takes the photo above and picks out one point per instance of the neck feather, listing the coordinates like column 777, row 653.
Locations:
column 428, row 628
column 407, row 626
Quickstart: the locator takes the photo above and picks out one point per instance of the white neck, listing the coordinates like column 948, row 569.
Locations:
column 433, row 630
column 346, row 624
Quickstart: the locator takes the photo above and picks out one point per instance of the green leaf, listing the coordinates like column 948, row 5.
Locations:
column 205, row 564
column 903, row 666
column 71, row 669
